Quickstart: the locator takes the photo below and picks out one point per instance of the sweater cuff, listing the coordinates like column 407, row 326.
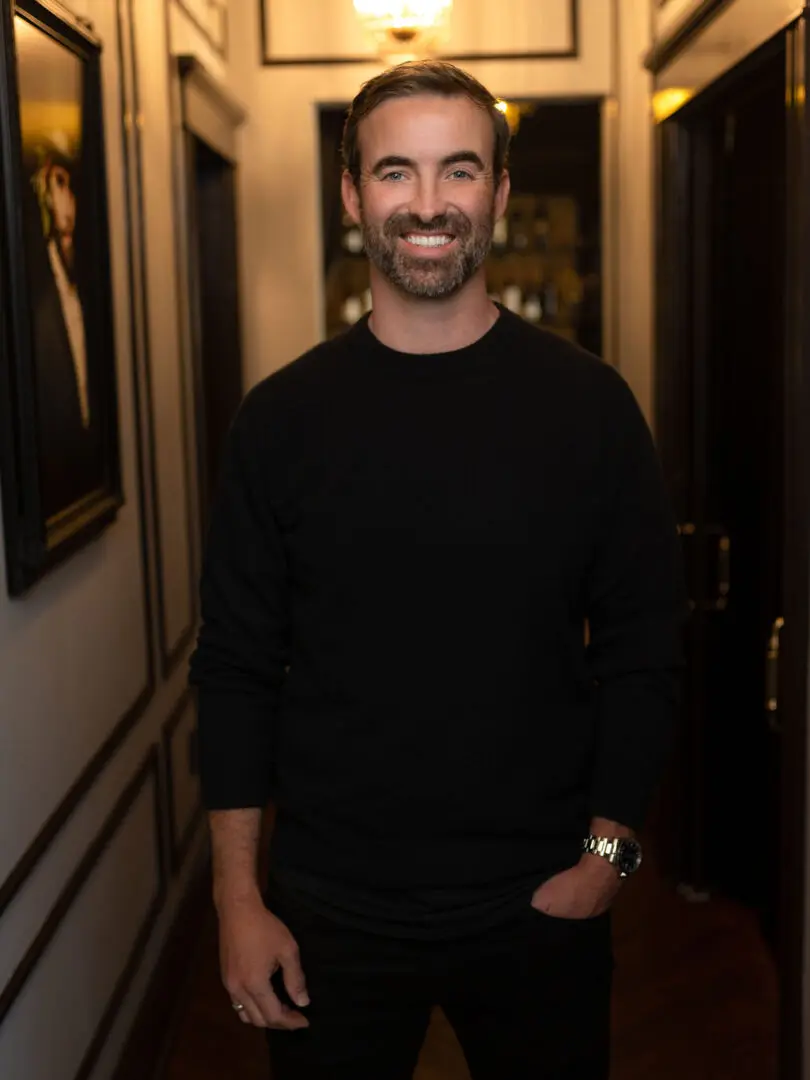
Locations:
column 235, row 750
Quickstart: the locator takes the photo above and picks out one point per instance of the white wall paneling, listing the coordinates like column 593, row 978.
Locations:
column 209, row 18
column 170, row 435
column 90, row 945
column 79, row 646
column 200, row 28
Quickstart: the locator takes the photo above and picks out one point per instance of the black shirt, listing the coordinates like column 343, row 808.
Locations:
column 403, row 554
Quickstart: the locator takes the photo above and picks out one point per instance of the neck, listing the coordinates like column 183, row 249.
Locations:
column 413, row 324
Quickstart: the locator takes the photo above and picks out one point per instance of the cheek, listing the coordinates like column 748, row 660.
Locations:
column 480, row 204
column 378, row 206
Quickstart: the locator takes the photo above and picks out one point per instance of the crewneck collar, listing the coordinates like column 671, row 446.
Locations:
column 475, row 357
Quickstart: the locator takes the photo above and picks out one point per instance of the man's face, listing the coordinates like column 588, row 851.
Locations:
column 63, row 207
column 427, row 200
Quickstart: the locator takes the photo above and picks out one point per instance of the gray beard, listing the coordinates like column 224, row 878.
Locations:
column 432, row 279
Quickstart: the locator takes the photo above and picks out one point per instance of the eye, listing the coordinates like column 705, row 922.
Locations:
column 396, row 176
column 461, row 174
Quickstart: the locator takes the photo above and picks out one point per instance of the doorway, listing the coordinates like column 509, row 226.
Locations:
column 214, row 277
column 730, row 363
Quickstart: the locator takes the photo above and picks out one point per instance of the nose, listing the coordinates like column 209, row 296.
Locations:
column 428, row 201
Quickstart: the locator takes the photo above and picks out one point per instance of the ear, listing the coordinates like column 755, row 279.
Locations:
column 351, row 196
column 502, row 195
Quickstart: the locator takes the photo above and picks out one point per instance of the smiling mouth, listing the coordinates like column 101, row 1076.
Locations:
column 429, row 240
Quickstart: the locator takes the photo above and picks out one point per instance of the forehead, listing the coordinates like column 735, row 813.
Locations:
column 425, row 127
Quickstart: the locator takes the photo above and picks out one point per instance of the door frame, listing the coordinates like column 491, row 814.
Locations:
column 205, row 111
column 681, row 335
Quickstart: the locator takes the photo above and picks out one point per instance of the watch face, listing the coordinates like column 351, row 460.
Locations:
column 629, row 857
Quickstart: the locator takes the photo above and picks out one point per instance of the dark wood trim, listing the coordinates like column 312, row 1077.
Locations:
column 664, row 52
column 796, row 643
column 572, row 53
column 195, row 319
column 152, row 1035
column 173, row 656
column 220, row 50
column 30, row 859
column 179, row 844
column 78, row 879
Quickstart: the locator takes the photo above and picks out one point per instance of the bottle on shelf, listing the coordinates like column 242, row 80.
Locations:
column 351, row 310
column 513, row 297
column 533, row 307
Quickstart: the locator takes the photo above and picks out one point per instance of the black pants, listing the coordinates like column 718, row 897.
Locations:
column 528, row 1001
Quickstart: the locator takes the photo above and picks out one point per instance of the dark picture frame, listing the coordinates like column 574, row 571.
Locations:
column 59, row 452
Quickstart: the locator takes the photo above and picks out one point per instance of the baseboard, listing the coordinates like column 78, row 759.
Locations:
column 161, row 1009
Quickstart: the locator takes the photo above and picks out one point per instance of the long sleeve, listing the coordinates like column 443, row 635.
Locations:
column 636, row 611
column 240, row 657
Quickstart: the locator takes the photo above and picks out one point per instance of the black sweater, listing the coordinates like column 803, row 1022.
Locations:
column 402, row 556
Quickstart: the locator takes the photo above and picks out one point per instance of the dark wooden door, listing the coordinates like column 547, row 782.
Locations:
column 742, row 517
column 732, row 407
column 722, row 364
column 215, row 307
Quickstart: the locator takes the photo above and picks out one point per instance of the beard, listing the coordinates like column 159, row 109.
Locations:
column 430, row 278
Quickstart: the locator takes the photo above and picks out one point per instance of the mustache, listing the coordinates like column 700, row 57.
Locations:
column 452, row 224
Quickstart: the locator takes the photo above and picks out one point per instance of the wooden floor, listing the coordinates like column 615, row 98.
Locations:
column 695, row 996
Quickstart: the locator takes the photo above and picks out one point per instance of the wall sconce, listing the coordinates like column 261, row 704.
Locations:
column 404, row 28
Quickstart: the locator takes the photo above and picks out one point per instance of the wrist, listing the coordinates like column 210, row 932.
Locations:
column 597, row 867
column 234, row 897
column 605, row 827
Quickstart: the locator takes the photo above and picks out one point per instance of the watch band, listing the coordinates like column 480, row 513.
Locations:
column 623, row 853
column 606, row 846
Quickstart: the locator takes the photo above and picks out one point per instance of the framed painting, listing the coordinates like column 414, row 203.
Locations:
column 59, row 457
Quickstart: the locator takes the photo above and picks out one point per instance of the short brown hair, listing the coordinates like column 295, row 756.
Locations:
column 422, row 77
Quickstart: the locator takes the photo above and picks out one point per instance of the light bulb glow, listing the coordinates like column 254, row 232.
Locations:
column 394, row 23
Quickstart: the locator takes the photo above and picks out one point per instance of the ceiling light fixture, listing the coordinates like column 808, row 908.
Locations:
column 405, row 27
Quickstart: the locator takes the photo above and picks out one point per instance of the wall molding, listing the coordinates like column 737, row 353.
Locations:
column 664, row 51
column 267, row 60
column 209, row 110
column 170, row 653
column 179, row 843
column 31, row 857
column 146, row 771
column 220, row 48
column 121, row 988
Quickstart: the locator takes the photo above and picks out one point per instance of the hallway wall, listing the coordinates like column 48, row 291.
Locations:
column 100, row 823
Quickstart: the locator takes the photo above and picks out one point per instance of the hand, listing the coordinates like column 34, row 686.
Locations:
column 583, row 892
column 253, row 944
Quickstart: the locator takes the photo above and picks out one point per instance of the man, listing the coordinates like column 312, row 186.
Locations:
column 414, row 523
column 71, row 459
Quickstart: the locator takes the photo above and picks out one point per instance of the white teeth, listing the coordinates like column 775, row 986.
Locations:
column 434, row 240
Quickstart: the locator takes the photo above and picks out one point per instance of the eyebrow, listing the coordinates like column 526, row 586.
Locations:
column 459, row 157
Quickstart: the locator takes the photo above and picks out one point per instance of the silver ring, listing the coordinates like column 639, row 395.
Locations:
column 237, row 1006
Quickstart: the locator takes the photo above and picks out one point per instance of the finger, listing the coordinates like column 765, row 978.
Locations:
column 275, row 1014
column 294, row 981
column 250, row 1013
